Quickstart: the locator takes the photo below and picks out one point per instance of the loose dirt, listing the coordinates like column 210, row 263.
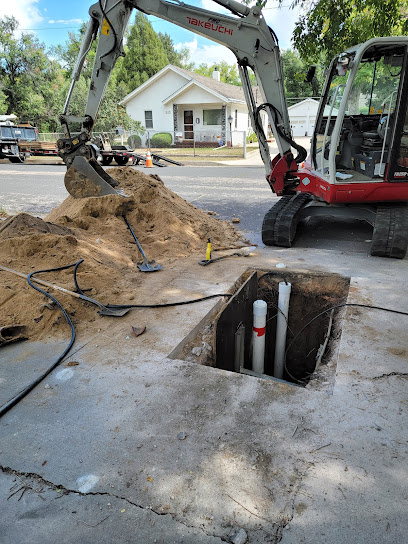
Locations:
column 93, row 229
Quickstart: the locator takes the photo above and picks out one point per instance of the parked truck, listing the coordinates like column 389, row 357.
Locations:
column 20, row 141
column 9, row 144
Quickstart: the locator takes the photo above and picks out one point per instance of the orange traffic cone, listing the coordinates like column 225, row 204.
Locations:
column 149, row 162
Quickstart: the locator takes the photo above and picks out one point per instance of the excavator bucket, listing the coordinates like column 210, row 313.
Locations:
column 86, row 178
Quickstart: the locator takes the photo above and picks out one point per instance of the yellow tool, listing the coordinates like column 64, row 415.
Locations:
column 208, row 253
column 243, row 252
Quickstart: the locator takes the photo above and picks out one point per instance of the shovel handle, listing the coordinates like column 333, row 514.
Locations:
column 52, row 285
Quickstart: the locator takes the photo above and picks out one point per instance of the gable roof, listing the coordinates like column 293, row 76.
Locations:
column 303, row 102
column 224, row 91
column 194, row 83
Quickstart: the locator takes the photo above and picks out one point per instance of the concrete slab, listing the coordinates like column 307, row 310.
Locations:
column 21, row 363
column 191, row 453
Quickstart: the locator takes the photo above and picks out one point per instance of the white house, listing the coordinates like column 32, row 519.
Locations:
column 190, row 106
column 302, row 117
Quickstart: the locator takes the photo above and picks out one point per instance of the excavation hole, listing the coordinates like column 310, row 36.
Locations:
column 223, row 339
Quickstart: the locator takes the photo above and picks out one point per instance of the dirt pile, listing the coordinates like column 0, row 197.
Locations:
column 165, row 223
column 93, row 229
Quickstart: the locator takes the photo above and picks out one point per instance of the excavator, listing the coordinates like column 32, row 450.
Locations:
column 358, row 162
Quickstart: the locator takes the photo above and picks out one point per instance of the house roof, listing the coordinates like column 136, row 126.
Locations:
column 293, row 106
column 224, row 91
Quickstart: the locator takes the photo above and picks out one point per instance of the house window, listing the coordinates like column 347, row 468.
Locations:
column 236, row 119
column 148, row 119
column 212, row 117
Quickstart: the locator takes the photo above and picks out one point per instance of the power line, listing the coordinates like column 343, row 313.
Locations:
column 55, row 28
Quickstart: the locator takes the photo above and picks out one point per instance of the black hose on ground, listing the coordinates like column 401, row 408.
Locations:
column 165, row 305
column 5, row 408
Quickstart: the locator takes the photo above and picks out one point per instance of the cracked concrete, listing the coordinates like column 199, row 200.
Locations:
column 49, row 512
column 287, row 464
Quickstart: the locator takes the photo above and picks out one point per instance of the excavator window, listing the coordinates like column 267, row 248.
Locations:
column 328, row 116
column 363, row 143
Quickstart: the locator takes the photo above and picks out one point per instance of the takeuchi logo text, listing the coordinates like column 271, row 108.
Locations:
column 211, row 26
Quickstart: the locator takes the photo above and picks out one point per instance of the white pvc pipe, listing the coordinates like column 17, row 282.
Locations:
column 281, row 329
column 258, row 336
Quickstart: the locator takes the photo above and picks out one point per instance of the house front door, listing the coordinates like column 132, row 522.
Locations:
column 188, row 125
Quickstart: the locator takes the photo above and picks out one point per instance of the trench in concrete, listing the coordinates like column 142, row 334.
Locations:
column 223, row 339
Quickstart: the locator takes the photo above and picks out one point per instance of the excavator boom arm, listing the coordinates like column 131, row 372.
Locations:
column 246, row 34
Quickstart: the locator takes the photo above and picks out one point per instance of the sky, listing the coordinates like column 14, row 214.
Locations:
column 52, row 20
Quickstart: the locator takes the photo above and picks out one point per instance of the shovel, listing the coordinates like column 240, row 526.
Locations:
column 146, row 266
column 244, row 252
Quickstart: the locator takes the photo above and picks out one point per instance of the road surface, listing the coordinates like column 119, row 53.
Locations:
column 230, row 191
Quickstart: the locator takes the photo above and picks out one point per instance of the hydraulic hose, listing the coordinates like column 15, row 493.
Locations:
column 302, row 153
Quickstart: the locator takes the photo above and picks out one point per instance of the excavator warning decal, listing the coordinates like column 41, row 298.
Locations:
column 105, row 28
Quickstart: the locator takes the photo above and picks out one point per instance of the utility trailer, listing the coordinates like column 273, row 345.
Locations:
column 122, row 154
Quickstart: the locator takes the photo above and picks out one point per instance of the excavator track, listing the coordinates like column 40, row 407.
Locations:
column 280, row 222
column 390, row 235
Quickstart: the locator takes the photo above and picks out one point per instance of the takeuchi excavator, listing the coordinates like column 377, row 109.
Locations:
column 358, row 162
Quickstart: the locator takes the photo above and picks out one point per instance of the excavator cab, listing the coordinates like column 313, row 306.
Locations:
column 360, row 127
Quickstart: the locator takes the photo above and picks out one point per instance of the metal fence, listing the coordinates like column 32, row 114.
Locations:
column 197, row 143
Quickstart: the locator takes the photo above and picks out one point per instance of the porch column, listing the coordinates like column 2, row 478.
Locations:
column 175, row 117
column 224, row 124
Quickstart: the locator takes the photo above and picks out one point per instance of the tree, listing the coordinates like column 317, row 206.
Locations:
column 294, row 75
column 331, row 26
column 28, row 79
column 67, row 53
column 177, row 58
column 145, row 54
column 110, row 113
column 228, row 73
column 3, row 106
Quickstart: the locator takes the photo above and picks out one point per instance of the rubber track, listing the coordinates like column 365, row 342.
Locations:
column 286, row 222
column 390, row 235
column 279, row 225
column 268, row 225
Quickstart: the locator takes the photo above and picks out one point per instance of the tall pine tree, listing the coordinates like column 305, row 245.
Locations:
column 145, row 54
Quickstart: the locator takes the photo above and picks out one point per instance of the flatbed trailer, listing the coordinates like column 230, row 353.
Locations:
column 39, row 149
column 122, row 155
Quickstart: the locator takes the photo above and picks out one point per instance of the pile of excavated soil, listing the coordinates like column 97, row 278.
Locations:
column 164, row 223
column 93, row 229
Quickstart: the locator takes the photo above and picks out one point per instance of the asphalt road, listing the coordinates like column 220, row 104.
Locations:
column 230, row 191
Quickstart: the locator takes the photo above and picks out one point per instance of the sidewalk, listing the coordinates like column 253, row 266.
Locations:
column 128, row 444
column 254, row 158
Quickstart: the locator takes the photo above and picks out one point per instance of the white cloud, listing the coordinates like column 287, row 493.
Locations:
column 282, row 21
column 65, row 21
column 212, row 6
column 26, row 12
column 207, row 54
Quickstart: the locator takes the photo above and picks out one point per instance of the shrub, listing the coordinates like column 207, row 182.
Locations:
column 134, row 141
column 251, row 137
column 161, row 139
